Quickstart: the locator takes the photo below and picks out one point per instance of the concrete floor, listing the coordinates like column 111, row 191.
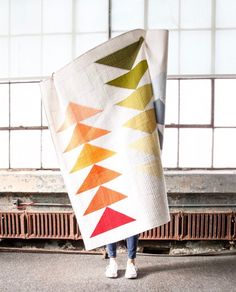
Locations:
column 75, row 272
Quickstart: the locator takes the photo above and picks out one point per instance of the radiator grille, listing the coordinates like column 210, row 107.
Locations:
column 50, row 225
column 12, row 225
column 202, row 226
column 166, row 231
column 63, row 225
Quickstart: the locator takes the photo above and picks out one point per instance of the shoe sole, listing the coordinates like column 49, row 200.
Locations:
column 112, row 276
column 131, row 277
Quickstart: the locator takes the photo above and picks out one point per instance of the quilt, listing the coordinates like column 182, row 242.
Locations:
column 106, row 115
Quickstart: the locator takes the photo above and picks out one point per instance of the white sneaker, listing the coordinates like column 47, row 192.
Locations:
column 131, row 271
column 111, row 270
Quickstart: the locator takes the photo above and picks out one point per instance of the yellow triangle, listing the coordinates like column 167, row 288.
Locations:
column 89, row 155
column 153, row 168
column 147, row 144
column 145, row 121
column 138, row 99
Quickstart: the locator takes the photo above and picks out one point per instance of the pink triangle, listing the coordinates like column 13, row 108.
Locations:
column 110, row 219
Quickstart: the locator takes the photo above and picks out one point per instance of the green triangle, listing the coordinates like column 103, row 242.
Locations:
column 139, row 98
column 123, row 58
column 131, row 79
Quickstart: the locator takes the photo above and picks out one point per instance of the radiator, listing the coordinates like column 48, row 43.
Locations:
column 63, row 225
column 12, row 225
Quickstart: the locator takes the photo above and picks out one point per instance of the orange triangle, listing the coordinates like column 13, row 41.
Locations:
column 82, row 134
column 103, row 197
column 97, row 176
column 76, row 113
column 91, row 154
column 111, row 219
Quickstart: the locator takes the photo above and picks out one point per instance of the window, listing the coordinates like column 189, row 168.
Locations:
column 38, row 37
column 202, row 33
column 25, row 138
column 200, row 123
column 196, row 135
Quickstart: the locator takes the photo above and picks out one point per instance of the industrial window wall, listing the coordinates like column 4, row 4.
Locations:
column 200, row 121
column 200, row 125
column 202, row 38
column 39, row 37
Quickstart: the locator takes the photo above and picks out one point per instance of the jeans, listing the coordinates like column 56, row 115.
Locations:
column 132, row 243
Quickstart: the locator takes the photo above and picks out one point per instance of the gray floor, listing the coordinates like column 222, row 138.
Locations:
column 75, row 272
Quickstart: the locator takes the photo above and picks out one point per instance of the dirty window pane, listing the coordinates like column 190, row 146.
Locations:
column 57, row 16
column 225, row 58
column 169, row 152
column 4, row 53
column 4, row 21
column 96, row 15
column 195, row 101
column 225, row 102
column 4, row 149
column 4, row 108
column 195, row 147
column 173, row 53
column 56, row 52
column 49, row 158
column 163, row 14
column 195, row 52
column 25, row 16
column 224, row 148
column 127, row 15
column 25, row 56
column 225, row 13
column 25, row 104
column 171, row 114
column 25, row 148
column 195, row 14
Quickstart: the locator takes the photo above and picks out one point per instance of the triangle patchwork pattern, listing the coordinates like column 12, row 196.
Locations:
column 83, row 134
column 76, row 113
column 123, row 58
column 111, row 219
column 131, row 79
column 139, row 98
column 103, row 197
column 91, row 154
column 145, row 121
column 146, row 144
column 97, row 176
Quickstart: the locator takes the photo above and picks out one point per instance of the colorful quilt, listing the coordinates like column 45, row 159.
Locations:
column 106, row 112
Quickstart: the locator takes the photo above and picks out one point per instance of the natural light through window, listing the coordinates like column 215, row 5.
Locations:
column 200, row 107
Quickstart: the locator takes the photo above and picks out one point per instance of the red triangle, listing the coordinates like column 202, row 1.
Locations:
column 110, row 219
column 97, row 176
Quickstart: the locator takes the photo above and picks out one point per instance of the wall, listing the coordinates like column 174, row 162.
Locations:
column 190, row 187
